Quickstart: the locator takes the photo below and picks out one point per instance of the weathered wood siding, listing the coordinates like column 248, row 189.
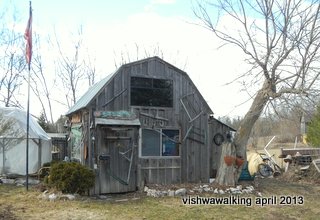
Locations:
column 189, row 114
column 216, row 127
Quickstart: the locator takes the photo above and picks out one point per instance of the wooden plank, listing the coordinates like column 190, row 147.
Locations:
column 316, row 164
column 162, row 171
column 197, row 161
column 169, row 169
column 176, row 173
column 191, row 162
column 303, row 151
column 144, row 68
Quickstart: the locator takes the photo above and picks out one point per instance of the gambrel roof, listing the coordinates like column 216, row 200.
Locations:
column 92, row 92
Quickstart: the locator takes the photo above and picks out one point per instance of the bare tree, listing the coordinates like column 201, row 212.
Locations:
column 12, row 66
column 280, row 41
column 90, row 69
column 141, row 52
column 70, row 68
column 39, row 84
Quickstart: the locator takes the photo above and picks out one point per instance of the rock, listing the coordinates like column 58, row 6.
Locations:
column 239, row 187
column 181, row 192
column 216, row 191
column 102, row 197
column 70, row 196
column 152, row 193
column 164, row 193
column 235, row 191
column 44, row 195
column 250, row 188
column 211, row 180
column 52, row 197
column 145, row 189
column 247, row 191
column 221, row 192
column 8, row 181
column 156, row 193
column 170, row 193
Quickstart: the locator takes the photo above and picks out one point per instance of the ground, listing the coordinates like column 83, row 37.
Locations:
column 17, row 203
column 298, row 191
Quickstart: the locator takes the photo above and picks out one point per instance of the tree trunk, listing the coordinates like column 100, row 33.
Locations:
column 229, row 175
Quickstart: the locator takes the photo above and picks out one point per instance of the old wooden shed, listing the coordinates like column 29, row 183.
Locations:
column 146, row 123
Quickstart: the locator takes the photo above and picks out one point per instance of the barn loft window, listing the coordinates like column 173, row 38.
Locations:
column 151, row 92
column 160, row 142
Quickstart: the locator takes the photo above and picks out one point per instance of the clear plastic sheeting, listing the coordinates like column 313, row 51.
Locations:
column 13, row 137
column 76, row 131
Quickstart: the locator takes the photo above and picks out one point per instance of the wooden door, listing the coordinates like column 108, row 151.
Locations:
column 117, row 159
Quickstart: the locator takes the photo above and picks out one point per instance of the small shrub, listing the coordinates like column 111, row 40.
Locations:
column 71, row 177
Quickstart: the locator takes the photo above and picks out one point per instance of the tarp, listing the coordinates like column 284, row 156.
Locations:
column 13, row 143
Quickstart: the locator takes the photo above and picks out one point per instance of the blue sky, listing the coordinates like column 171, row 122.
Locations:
column 112, row 28
column 91, row 11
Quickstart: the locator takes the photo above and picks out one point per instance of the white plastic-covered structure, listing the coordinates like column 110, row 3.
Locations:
column 13, row 141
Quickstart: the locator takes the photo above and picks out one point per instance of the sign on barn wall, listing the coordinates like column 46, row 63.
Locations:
column 152, row 121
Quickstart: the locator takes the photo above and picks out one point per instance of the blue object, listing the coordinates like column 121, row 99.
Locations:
column 245, row 175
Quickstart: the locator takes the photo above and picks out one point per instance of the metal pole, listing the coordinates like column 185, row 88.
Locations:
column 27, row 147
column 28, row 37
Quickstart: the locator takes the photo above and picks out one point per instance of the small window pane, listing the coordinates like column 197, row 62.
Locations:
column 170, row 142
column 150, row 143
column 139, row 82
column 162, row 83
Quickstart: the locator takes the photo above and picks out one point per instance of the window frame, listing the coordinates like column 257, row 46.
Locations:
column 152, row 88
column 159, row 131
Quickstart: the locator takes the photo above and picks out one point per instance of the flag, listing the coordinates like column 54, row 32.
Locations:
column 28, row 37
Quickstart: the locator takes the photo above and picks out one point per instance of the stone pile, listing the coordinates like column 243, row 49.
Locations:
column 56, row 196
column 199, row 190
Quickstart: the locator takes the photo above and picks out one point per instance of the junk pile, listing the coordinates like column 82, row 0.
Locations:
column 300, row 167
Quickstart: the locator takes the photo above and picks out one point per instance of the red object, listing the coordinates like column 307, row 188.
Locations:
column 229, row 160
column 239, row 161
column 28, row 37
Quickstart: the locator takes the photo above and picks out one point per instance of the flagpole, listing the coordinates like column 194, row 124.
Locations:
column 28, row 37
column 28, row 119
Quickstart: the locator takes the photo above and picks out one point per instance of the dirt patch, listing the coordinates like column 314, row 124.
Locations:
column 290, row 182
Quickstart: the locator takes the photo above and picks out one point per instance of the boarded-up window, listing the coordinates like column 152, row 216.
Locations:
column 151, row 92
column 162, row 142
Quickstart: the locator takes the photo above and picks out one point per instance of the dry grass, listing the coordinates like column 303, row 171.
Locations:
column 17, row 203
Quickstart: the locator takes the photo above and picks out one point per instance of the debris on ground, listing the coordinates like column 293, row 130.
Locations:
column 196, row 189
column 303, row 173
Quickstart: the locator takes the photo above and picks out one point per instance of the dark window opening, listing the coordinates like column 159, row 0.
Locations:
column 151, row 92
